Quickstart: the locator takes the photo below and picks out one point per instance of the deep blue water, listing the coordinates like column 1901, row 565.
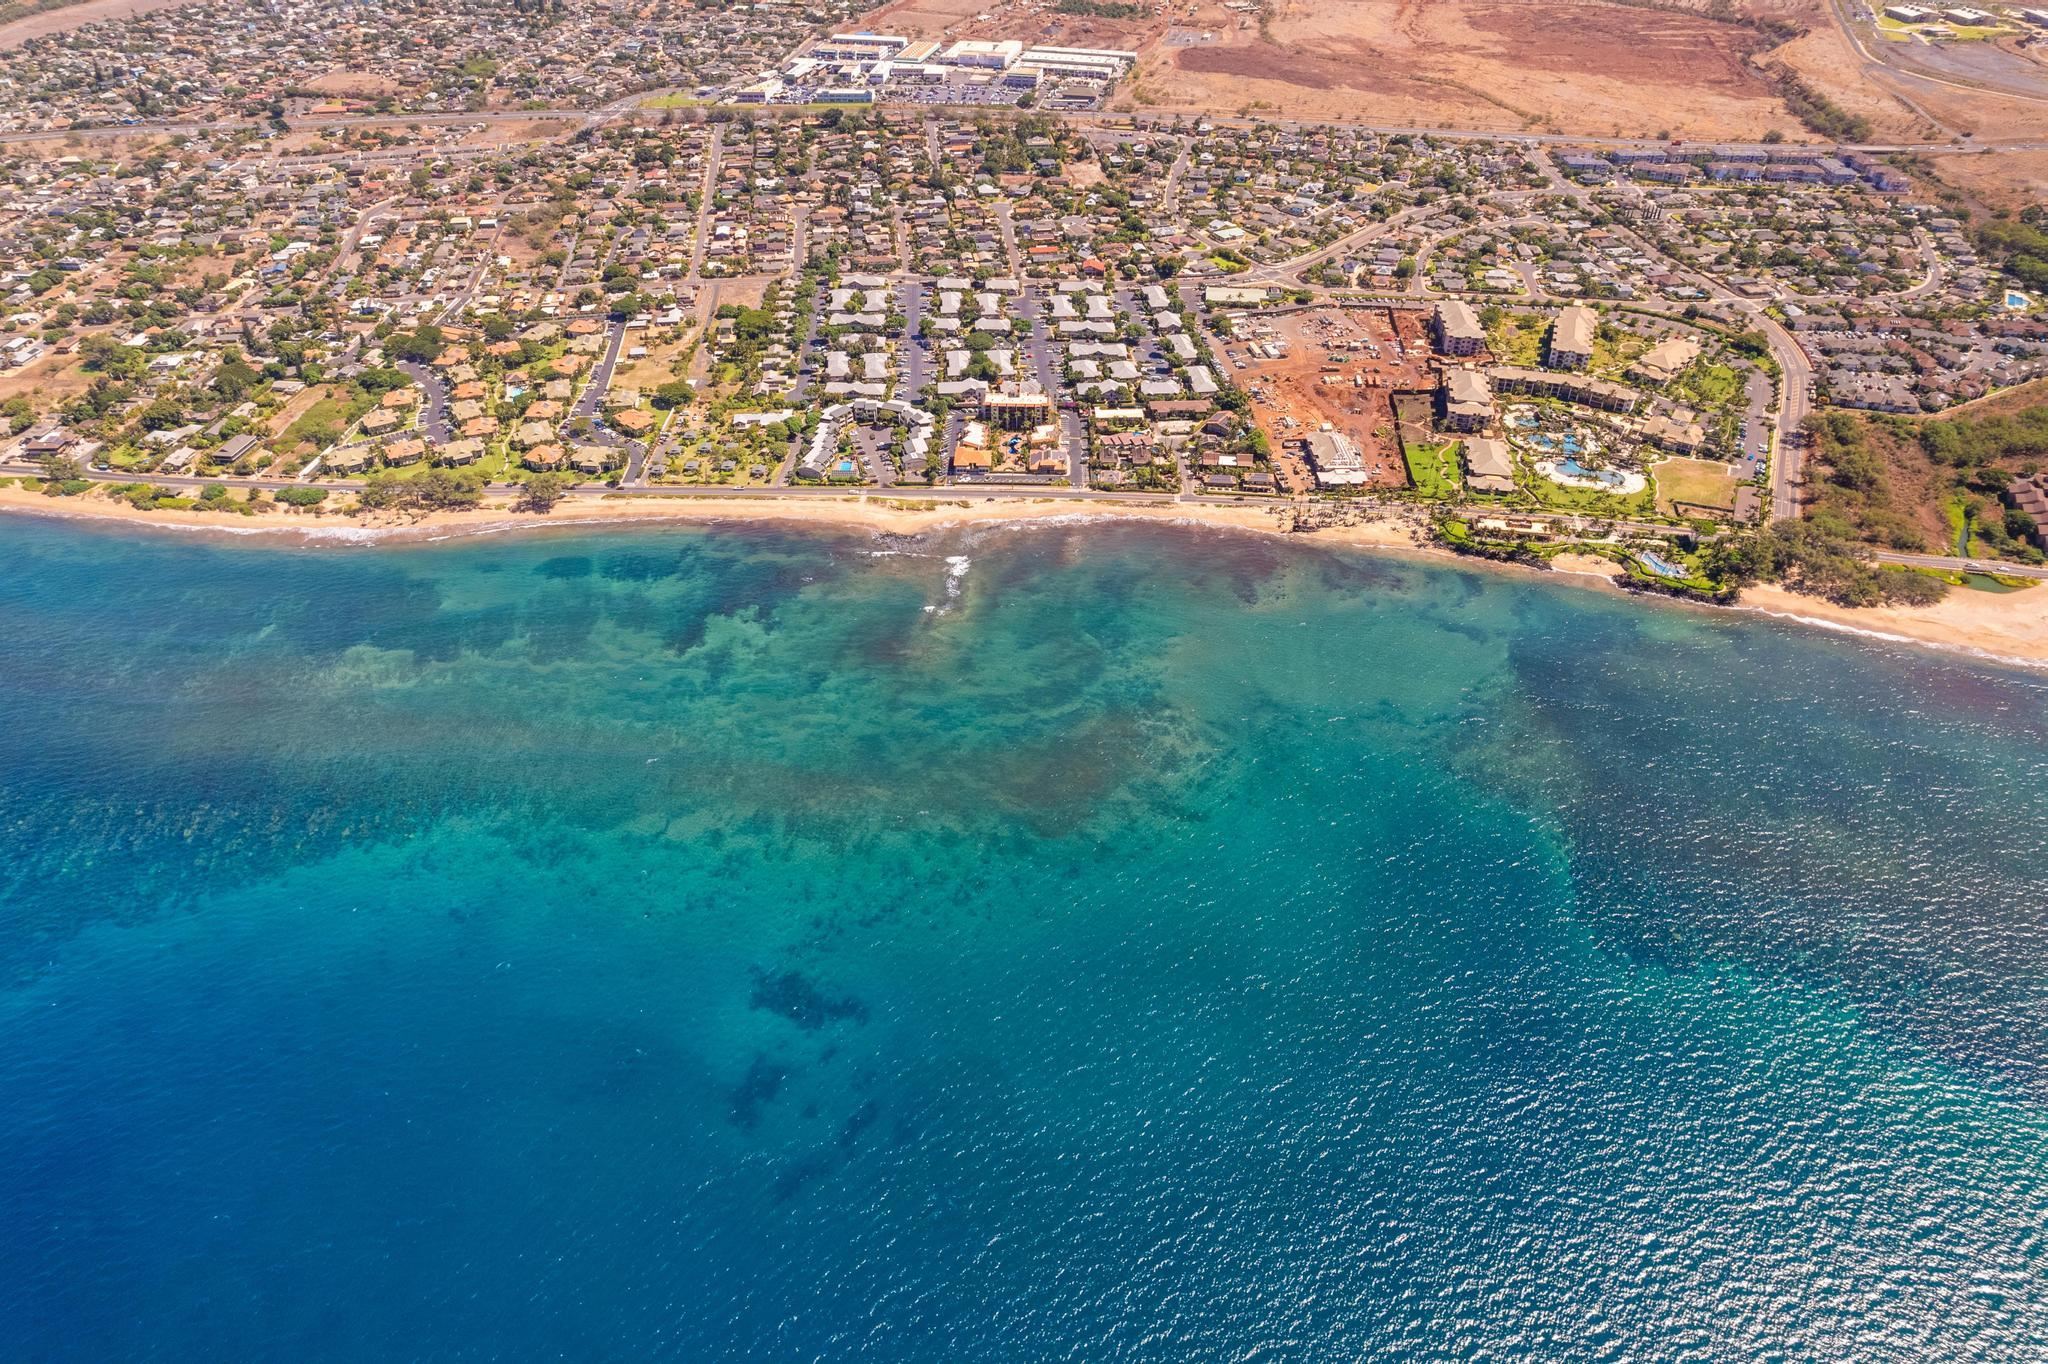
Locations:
column 1091, row 943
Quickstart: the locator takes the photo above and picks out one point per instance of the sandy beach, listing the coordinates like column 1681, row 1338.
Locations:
column 2008, row 627
column 884, row 515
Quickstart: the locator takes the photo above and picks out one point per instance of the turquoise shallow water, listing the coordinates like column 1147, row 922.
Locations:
column 1091, row 943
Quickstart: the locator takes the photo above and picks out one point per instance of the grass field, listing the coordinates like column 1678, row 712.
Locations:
column 1696, row 482
column 1433, row 469
column 1517, row 339
column 327, row 419
column 1707, row 385
column 1612, row 357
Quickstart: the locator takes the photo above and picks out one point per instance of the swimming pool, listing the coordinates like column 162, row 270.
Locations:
column 1567, row 444
column 1571, row 468
column 2015, row 300
column 1660, row 567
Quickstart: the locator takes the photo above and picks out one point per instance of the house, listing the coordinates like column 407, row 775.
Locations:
column 235, row 447
column 48, row 443
column 1664, row 361
column 1456, row 328
column 973, row 453
column 1336, row 458
column 1571, row 337
column 1488, row 467
column 1467, row 400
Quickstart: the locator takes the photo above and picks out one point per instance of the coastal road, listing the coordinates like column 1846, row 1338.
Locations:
column 1952, row 564
column 946, row 495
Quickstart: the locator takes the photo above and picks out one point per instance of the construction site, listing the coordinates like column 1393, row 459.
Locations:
column 1338, row 369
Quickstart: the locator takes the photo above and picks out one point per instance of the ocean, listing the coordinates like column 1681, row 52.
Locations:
column 1063, row 942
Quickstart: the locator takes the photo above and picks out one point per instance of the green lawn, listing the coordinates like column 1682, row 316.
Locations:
column 1433, row 469
column 1612, row 358
column 1586, row 501
column 1708, row 385
column 1518, row 339
column 328, row 418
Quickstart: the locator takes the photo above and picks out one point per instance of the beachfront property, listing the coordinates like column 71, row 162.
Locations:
column 1488, row 466
column 1005, row 305
column 1336, row 459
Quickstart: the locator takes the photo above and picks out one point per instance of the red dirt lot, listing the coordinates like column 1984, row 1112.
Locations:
column 1342, row 367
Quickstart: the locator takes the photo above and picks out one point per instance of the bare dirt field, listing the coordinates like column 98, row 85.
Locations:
column 507, row 134
column 2011, row 180
column 73, row 16
column 359, row 84
column 52, row 380
column 1566, row 65
column 1979, row 114
column 1342, row 368
column 1823, row 58
column 930, row 18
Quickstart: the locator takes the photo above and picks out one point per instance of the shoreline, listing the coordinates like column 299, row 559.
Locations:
column 2004, row 628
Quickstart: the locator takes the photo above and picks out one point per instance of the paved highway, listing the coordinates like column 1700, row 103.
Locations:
column 629, row 108
column 1955, row 565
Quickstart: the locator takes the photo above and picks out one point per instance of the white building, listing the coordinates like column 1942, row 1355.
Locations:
column 984, row 54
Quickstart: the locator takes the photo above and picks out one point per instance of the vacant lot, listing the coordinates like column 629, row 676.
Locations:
column 1689, row 483
column 68, row 17
column 348, row 83
column 2013, row 180
column 1569, row 65
column 1341, row 369
column 50, row 381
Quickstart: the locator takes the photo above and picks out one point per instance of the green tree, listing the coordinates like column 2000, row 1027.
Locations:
column 61, row 468
column 542, row 492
